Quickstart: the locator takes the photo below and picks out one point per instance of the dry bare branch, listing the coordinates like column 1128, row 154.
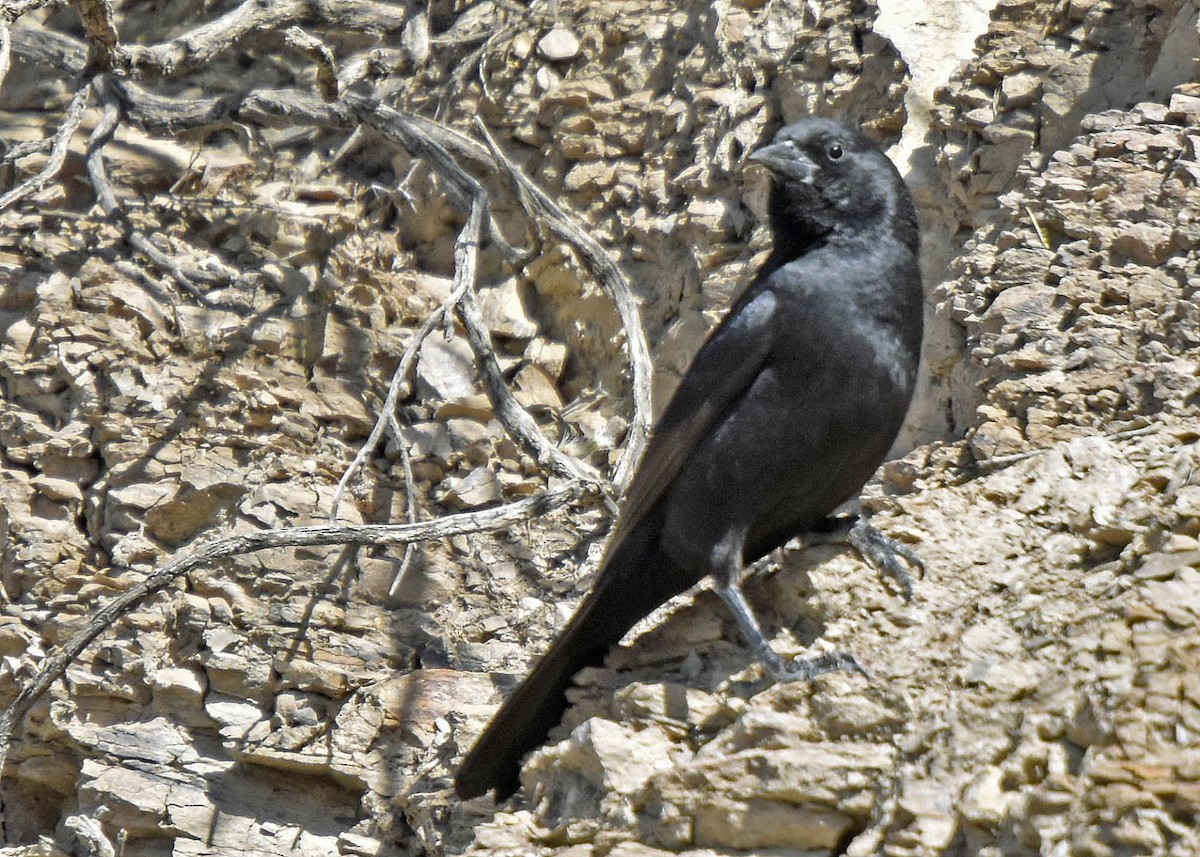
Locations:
column 58, row 152
column 489, row 520
column 441, row 147
column 97, row 18
column 410, row 505
column 204, row 43
column 517, row 422
column 429, row 141
column 321, row 55
column 445, row 150
column 521, row 427
column 543, row 209
column 24, row 150
column 103, row 132
column 421, row 136
column 10, row 10
column 398, row 390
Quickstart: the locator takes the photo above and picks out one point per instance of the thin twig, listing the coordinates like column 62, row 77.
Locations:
column 351, row 143
column 58, row 152
column 410, row 500
column 24, row 150
column 425, row 139
column 322, row 57
column 521, row 427
column 489, row 520
column 541, row 208
column 440, row 147
column 469, row 63
column 999, row 462
column 254, row 17
column 399, row 389
column 517, row 421
column 101, row 135
column 466, row 255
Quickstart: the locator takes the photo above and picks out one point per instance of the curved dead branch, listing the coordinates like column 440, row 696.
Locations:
column 448, row 152
column 58, row 151
column 490, row 520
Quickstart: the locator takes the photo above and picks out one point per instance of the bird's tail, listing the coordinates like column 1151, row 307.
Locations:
column 634, row 579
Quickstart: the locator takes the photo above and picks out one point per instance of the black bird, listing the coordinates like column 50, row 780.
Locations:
column 787, row 410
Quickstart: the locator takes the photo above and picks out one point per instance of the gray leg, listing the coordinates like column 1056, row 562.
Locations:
column 800, row 669
column 884, row 554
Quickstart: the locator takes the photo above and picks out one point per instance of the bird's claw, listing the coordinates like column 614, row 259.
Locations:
column 884, row 554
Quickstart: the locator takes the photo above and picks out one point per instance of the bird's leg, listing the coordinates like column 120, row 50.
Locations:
column 799, row 669
column 884, row 554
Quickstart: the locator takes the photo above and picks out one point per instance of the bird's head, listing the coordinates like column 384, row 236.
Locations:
column 828, row 180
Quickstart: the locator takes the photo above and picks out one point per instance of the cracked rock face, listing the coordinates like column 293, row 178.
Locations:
column 1036, row 697
column 1079, row 308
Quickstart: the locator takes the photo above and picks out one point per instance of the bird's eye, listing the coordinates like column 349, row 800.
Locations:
column 834, row 151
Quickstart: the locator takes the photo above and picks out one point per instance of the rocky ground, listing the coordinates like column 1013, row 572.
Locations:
column 1038, row 695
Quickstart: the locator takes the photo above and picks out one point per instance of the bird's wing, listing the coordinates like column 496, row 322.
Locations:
column 722, row 371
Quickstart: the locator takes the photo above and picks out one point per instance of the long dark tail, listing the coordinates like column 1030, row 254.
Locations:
column 634, row 579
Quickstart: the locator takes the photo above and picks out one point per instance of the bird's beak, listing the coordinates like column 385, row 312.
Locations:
column 786, row 161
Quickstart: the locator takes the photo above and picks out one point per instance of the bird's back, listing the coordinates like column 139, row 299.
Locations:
column 820, row 414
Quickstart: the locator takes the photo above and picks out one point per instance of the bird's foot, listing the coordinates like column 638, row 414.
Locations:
column 886, row 555
column 806, row 669
column 799, row 669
